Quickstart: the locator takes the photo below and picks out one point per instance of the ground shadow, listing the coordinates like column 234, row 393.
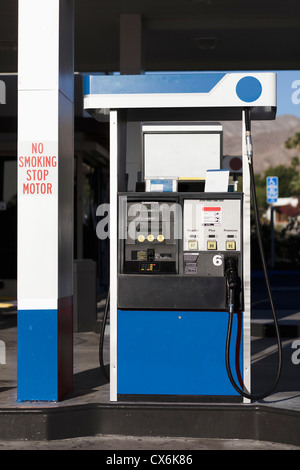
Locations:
column 87, row 382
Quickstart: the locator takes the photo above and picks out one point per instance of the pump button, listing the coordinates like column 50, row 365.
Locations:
column 230, row 245
column 211, row 245
column 193, row 245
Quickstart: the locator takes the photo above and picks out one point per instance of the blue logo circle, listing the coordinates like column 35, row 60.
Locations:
column 248, row 89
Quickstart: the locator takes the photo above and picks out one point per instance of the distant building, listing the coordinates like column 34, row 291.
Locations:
column 284, row 208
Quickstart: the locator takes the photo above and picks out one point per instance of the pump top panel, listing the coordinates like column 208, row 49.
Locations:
column 229, row 92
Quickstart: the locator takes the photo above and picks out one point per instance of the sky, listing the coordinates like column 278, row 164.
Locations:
column 288, row 92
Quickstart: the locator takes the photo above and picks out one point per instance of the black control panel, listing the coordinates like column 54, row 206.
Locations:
column 174, row 250
column 150, row 246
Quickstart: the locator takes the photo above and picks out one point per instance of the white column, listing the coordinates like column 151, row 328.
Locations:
column 45, row 199
column 246, row 267
column 113, row 230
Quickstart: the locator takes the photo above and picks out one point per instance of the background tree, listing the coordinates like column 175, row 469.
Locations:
column 288, row 179
column 287, row 237
column 294, row 143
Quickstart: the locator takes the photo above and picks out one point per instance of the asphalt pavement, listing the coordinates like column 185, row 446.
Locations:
column 89, row 387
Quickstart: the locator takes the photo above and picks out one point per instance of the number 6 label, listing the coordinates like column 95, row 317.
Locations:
column 217, row 260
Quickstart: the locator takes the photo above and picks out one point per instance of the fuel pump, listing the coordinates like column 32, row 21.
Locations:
column 179, row 250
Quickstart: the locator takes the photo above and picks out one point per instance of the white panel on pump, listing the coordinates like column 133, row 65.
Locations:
column 181, row 151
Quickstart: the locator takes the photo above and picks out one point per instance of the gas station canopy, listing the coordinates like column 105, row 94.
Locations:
column 176, row 34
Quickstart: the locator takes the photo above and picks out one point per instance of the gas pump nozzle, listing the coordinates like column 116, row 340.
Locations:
column 231, row 282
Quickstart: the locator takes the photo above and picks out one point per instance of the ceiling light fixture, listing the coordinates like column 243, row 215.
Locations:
column 206, row 43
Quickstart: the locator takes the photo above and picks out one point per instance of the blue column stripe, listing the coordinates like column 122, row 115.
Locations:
column 37, row 355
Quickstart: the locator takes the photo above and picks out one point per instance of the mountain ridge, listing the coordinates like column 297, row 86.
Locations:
column 268, row 139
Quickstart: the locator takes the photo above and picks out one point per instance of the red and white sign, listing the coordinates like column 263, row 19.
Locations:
column 37, row 168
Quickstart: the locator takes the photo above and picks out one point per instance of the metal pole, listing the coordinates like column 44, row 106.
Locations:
column 272, row 238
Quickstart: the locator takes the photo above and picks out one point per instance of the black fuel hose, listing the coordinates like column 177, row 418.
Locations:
column 243, row 393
